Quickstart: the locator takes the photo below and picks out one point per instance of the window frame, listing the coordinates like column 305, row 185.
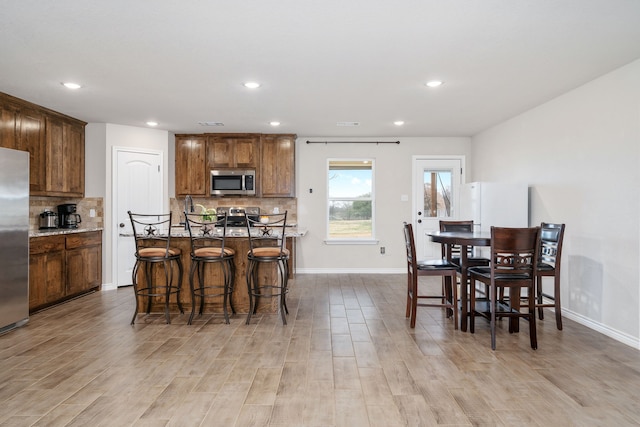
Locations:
column 369, row 240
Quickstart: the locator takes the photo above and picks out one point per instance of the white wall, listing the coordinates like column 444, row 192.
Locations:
column 580, row 155
column 100, row 139
column 393, row 168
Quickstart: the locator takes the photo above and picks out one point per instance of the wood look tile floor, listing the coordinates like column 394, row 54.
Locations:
column 346, row 358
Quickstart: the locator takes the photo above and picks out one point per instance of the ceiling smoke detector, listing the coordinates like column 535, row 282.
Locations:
column 348, row 124
column 211, row 123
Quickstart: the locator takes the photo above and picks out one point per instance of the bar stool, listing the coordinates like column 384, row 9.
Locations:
column 267, row 246
column 207, row 234
column 152, row 233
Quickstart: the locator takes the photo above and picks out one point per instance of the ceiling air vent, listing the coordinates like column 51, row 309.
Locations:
column 348, row 124
column 211, row 123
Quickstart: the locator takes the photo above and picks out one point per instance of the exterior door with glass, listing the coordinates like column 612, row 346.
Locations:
column 436, row 197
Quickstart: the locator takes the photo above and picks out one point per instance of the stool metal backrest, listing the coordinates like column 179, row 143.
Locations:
column 151, row 231
column 207, row 232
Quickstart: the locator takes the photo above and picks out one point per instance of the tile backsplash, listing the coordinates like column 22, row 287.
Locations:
column 37, row 205
column 265, row 204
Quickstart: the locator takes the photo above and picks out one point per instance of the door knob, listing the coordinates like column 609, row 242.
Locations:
column 419, row 221
column 122, row 225
column 419, row 213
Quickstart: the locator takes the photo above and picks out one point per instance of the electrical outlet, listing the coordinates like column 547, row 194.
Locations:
column 382, row 250
column 92, row 213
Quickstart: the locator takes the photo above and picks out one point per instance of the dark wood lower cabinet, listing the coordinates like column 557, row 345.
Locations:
column 63, row 266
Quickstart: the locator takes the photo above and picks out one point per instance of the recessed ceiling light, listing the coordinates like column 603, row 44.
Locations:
column 274, row 123
column 434, row 83
column 398, row 123
column 152, row 123
column 71, row 85
column 252, row 85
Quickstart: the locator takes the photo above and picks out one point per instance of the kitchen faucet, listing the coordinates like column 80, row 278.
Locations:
column 188, row 207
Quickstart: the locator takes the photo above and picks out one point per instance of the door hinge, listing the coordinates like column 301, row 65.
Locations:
column 158, row 168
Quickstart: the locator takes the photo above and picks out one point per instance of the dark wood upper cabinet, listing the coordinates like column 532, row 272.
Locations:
column 191, row 173
column 55, row 143
column 277, row 166
column 233, row 151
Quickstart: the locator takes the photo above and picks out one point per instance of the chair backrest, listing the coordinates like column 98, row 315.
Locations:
column 551, row 236
column 410, row 245
column 455, row 226
column 266, row 231
column 206, row 231
column 514, row 251
column 151, row 230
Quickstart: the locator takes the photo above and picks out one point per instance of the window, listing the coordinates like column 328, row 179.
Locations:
column 351, row 200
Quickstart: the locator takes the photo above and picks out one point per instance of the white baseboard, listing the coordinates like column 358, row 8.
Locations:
column 603, row 329
column 108, row 287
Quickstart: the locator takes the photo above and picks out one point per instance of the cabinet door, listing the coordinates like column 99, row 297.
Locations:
column 8, row 119
column 73, row 156
column 54, row 158
column 191, row 174
column 46, row 270
column 219, row 153
column 31, row 136
column 84, row 262
column 278, row 166
column 246, row 151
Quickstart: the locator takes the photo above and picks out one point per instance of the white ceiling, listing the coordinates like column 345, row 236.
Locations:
column 319, row 62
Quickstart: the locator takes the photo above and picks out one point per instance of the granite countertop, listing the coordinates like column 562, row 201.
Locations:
column 59, row 231
column 179, row 231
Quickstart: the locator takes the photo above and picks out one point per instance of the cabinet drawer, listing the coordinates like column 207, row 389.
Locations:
column 42, row 245
column 84, row 239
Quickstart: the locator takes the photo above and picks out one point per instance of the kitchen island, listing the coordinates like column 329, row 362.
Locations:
column 236, row 239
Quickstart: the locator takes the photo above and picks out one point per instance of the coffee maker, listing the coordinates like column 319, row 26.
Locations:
column 67, row 216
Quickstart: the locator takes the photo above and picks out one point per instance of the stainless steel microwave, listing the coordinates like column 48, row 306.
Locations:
column 233, row 182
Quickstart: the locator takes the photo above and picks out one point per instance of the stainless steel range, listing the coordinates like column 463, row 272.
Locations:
column 235, row 215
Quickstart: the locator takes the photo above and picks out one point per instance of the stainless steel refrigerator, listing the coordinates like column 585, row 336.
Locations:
column 14, row 238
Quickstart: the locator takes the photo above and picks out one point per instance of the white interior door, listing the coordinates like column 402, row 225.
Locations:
column 436, row 188
column 138, row 188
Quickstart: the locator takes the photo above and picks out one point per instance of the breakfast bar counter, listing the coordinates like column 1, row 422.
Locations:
column 237, row 240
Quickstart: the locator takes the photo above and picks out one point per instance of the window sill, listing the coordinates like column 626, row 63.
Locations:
column 351, row 242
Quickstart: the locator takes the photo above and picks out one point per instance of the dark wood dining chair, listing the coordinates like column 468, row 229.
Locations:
column 448, row 298
column 514, row 261
column 452, row 252
column 551, row 237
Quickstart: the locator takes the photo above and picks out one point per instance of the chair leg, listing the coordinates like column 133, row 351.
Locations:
column 492, row 308
column 168, row 277
column 180, row 273
column 532, row 321
column 192, row 270
column 135, row 289
column 408, row 312
column 249, row 279
column 539, row 297
column 454, row 299
column 414, row 299
column 556, row 296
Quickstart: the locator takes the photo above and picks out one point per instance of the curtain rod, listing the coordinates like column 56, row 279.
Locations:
column 353, row 142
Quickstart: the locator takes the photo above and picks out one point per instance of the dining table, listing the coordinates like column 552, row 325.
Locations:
column 464, row 239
